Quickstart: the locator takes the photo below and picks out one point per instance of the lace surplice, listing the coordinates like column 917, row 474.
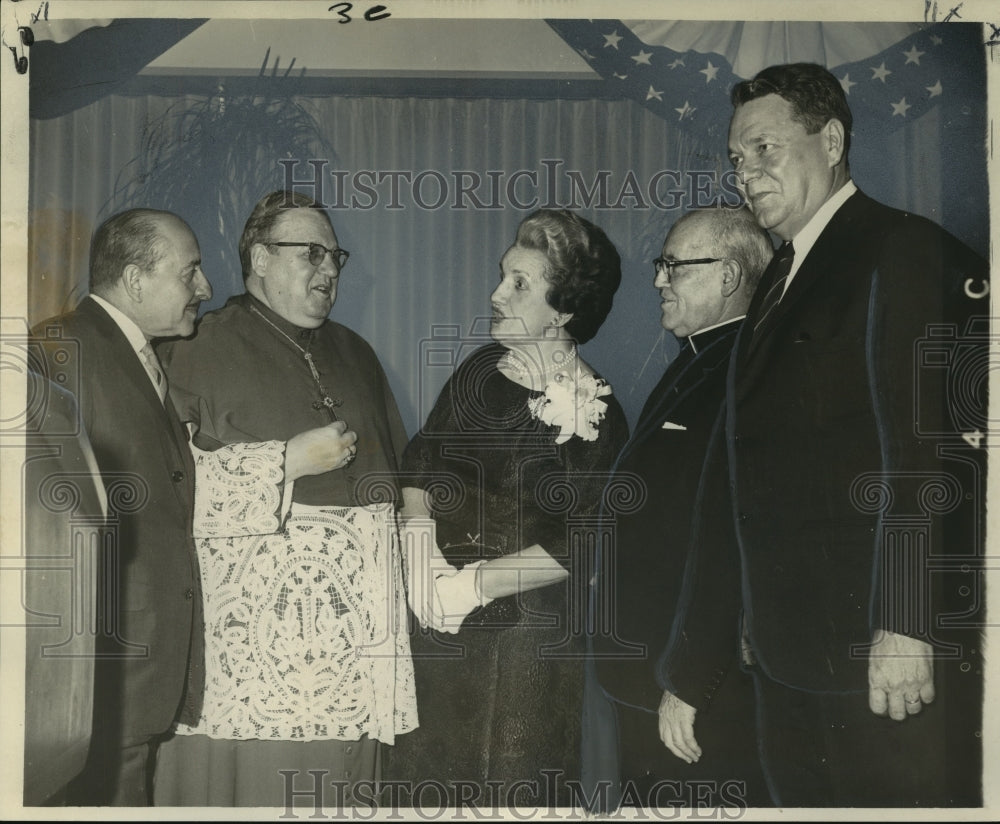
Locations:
column 304, row 609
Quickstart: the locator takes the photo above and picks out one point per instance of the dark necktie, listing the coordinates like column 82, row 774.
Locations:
column 774, row 281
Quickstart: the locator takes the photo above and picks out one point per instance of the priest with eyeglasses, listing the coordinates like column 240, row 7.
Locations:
column 308, row 668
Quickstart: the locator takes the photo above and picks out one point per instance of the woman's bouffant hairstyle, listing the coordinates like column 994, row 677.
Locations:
column 584, row 268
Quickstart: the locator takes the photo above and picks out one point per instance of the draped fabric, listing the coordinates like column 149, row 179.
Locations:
column 750, row 46
column 892, row 74
column 419, row 277
column 85, row 59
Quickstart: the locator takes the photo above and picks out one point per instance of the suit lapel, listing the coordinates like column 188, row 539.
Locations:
column 172, row 436
column 684, row 373
column 660, row 400
column 820, row 262
column 750, row 337
column 179, row 435
column 125, row 356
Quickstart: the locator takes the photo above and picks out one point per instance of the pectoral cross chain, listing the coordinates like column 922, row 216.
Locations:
column 330, row 404
column 325, row 400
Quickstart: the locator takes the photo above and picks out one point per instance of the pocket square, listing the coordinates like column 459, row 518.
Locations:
column 672, row 425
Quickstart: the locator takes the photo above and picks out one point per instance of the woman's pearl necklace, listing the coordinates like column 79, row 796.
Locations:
column 519, row 364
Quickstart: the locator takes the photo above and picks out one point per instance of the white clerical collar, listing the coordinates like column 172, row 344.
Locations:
column 694, row 335
column 809, row 234
column 137, row 340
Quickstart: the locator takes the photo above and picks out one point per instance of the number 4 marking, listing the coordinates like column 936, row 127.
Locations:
column 973, row 439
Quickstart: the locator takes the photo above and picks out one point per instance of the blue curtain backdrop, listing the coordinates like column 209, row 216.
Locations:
column 419, row 272
column 425, row 254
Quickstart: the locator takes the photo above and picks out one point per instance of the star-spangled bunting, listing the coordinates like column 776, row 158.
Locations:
column 941, row 64
column 688, row 88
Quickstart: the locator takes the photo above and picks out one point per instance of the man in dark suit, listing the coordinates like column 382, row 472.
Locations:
column 710, row 265
column 854, row 432
column 145, row 282
column 64, row 511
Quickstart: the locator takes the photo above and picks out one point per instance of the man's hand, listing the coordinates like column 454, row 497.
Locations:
column 900, row 675
column 316, row 451
column 677, row 728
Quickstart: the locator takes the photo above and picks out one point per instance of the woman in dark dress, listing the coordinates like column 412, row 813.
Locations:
column 521, row 440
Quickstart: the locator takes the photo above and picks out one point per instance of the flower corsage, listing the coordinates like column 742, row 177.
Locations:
column 572, row 405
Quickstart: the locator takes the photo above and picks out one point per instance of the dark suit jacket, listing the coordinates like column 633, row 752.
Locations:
column 62, row 507
column 851, row 435
column 150, row 598
column 652, row 543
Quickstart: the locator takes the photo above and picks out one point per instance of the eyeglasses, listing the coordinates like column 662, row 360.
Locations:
column 667, row 267
column 317, row 252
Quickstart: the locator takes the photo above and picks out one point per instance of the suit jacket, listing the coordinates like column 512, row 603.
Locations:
column 62, row 506
column 149, row 603
column 853, row 456
column 652, row 543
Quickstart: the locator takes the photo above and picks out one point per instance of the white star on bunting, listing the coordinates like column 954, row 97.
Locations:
column 935, row 90
column 677, row 62
column 685, row 111
column 881, row 73
column 612, row 40
column 710, row 72
column 900, row 108
column 642, row 58
column 913, row 56
column 846, row 82
column 586, row 55
column 654, row 93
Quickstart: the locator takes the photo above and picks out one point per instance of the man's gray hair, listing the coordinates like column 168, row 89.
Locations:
column 740, row 237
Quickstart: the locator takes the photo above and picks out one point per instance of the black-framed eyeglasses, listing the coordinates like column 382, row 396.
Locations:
column 317, row 252
column 667, row 267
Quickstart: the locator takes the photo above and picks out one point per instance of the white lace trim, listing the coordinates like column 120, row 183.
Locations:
column 238, row 489
column 306, row 628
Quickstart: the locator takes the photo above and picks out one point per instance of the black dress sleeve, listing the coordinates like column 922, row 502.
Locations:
column 574, row 494
column 419, row 458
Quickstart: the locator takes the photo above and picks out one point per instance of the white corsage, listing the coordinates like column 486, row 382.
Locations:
column 572, row 405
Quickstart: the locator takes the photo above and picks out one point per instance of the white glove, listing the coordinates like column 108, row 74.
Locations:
column 457, row 596
column 424, row 565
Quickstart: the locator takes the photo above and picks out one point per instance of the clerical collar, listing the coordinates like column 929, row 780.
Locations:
column 298, row 334
column 703, row 337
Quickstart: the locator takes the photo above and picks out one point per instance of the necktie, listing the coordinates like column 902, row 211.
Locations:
column 780, row 269
column 152, row 364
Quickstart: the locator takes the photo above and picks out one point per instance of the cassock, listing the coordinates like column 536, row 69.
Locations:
column 305, row 620
column 642, row 586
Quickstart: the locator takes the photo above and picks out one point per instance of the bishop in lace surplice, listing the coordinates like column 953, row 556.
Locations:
column 304, row 611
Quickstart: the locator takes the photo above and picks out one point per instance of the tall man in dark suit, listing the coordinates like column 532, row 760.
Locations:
column 710, row 265
column 856, row 474
column 146, row 282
